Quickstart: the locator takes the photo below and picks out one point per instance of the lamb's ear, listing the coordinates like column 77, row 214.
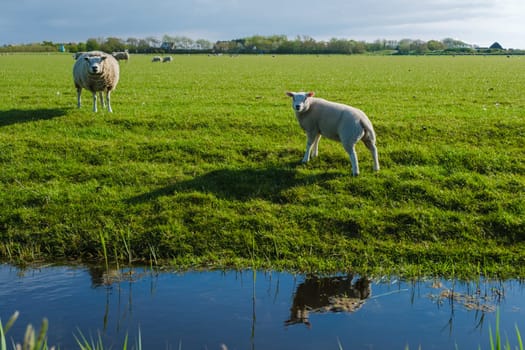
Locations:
column 290, row 94
column 310, row 94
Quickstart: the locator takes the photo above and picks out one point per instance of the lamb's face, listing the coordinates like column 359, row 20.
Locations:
column 95, row 64
column 300, row 100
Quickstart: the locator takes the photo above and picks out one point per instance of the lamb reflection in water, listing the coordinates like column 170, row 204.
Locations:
column 327, row 294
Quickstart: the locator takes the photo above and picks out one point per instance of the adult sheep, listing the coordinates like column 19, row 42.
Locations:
column 339, row 122
column 167, row 59
column 96, row 71
column 156, row 59
column 121, row 55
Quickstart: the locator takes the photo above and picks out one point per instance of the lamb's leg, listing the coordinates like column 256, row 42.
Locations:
column 94, row 101
column 373, row 149
column 79, row 92
column 350, row 149
column 315, row 146
column 311, row 141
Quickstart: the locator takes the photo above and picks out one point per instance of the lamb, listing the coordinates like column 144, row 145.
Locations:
column 156, row 59
column 339, row 122
column 121, row 55
column 96, row 71
column 167, row 59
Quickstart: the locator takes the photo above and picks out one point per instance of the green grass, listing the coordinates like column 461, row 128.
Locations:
column 199, row 165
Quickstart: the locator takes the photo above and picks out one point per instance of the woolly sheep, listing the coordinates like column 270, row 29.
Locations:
column 121, row 55
column 339, row 122
column 156, row 59
column 96, row 71
column 167, row 59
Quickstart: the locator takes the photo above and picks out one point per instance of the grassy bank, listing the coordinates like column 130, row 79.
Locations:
column 199, row 165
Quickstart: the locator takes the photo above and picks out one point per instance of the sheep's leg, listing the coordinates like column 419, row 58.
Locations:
column 315, row 146
column 108, row 100
column 311, row 142
column 101, row 96
column 350, row 149
column 79, row 92
column 373, row 149
column 94, row 101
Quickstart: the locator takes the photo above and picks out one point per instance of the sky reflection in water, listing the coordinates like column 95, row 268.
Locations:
column 261, row 310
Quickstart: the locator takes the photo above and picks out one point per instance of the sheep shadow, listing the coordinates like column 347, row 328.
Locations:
column 15, row 116
column 240, row 184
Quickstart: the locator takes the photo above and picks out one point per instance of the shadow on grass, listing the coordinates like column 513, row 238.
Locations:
column 240, row 184
column 15, row 116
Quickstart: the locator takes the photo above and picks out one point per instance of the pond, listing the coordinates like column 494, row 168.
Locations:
column 257, row 309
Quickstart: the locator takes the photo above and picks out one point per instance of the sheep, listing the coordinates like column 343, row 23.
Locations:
column 121, row 55
column 339, row 122
column 156, row 59
column 167, row 59
column 96, row 71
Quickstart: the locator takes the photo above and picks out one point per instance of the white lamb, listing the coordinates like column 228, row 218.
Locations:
column 339, row 122
column 96, row 71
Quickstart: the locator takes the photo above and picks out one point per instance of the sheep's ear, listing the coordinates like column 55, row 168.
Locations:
column 310, row 94
column 289, row 94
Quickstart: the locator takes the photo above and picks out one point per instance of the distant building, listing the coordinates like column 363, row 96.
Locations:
column 496, row 46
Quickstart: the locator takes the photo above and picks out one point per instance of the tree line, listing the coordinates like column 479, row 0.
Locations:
column 259, row 44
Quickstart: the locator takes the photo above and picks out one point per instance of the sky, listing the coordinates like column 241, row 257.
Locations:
column 477, row 22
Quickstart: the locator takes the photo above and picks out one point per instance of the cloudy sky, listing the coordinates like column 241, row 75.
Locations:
column 479, row 22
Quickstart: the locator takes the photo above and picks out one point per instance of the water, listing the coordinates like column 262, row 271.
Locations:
column 261, row 310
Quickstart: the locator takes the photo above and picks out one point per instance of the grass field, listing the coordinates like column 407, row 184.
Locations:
column 199, row 165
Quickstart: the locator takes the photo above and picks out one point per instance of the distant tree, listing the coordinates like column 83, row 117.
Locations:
column 204, row 44
column 434, row 45
column 132, row 44
column 404, row 46
column 92, row 44
column 113, row 44
column 418, row 47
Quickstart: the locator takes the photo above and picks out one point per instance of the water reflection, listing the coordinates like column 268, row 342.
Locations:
column 327, row 294
column 257, row 309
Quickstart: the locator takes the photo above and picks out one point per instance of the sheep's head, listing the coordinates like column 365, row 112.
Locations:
column 300, row 100
column 95, row 64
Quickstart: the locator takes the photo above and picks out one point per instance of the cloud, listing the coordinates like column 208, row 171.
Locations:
column 473, row 21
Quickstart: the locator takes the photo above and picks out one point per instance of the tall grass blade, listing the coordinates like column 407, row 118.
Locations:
column 518, row 334
column 3, row 345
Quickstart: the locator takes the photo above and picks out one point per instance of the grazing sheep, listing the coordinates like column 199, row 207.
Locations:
column 167, row 59
column 96, row 71
column 335, row 121
column 156, row 59
column 121, row 55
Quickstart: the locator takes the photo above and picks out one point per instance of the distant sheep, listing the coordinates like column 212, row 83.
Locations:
column 335, row 121
column 156, row 59
column 121, row 55
column 96, row 71
column 167, row 59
